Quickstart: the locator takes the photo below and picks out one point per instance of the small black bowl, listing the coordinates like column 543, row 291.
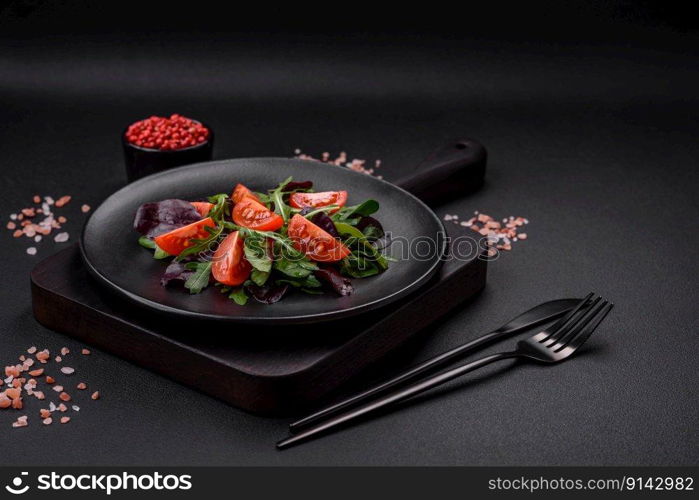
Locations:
column 141, row 162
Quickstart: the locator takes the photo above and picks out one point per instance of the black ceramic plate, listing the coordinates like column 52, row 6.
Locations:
column 111, row 252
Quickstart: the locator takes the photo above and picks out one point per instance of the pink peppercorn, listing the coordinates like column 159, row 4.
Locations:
column 167, row 134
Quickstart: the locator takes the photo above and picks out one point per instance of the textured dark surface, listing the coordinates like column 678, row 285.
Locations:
column 594, row 141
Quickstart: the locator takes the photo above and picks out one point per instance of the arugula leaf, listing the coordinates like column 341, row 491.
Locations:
column 200, row 279
column 239, row 296
column 295, row 268
column 277, row 197
column 255, row 249
column 205, row 244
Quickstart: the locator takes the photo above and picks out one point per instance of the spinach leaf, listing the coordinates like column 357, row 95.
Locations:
column 146, row 242
column 259, row 277
column 362, row 210
column 158, row 253
column 356, row 239
column 239, row 296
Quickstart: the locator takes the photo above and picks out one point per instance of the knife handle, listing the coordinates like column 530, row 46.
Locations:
column 449, row 172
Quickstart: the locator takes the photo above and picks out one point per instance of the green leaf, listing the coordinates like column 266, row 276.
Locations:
column 259, row 277
column 279, row 206
column 160, row 253
column 200, row 279
column 295, row 268
column 255, row 249
column 355, row 238
column 205, row 244
column 146, row 242
column 239, row 296
column 305, row 284
column 327, row 208
column 363, row 209
column 358, row 267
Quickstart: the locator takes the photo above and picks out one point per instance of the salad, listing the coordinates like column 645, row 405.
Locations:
column 265, row 244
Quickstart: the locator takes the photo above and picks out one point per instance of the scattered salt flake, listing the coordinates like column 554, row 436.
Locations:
column 36, row 373
column 61, row 237
column 11, row 225
column 65, row 420
column 522, row 236
column 37, row 238
column 13, row 216
column 21, row 422
column 95, row 395
column 58, row 359
column 43, row 355
column 75, row 408
column 37, row 198
column 64, row 351
column 31, row 250
column 62, row 408
column 64, row 396
column 52, row 406
column 86, row 352
column 68, row 370
column 50, row 379
column 82, row 385
column 31, row 350
column 47, row 421
column 48, row 200
column 63, row 200
column 39, row 395
column 44, row 413
column 58, row 388
column 85, row 208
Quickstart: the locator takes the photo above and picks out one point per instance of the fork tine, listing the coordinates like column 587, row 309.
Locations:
column 576, row 324
column 584, row 334
column 565, row 319
column 570, row 325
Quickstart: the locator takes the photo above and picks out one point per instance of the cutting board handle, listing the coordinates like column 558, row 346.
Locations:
column 449, row 172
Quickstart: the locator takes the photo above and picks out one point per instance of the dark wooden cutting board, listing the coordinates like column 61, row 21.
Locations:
column 265, row 370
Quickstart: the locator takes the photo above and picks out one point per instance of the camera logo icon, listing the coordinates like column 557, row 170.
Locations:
column 16, row 487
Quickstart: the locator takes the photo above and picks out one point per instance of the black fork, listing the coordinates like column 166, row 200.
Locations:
column 550, row 346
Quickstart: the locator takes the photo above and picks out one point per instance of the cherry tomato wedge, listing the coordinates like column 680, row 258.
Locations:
column 251, row 213
column 175, row 241
column 314, row 242
column 241, row 192
column 228, row 264
column 315, row 200
column 203, row 207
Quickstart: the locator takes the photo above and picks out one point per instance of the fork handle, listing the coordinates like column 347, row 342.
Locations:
column 441, row 360
column 395, row 397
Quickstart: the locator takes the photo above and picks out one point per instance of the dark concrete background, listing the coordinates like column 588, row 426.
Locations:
column 590, row 119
